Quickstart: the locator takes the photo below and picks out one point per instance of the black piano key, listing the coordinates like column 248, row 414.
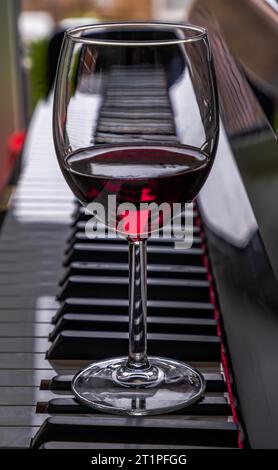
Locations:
column 119, row 253
column 108, row 138
column 137, row 126
column 80, row 221
column 156, row 103
column 81, row 217
column 129, row 93
column 137, row 70
column 215, row 383
column 136, row 129
column 202, row 326
column 168, row 430
column 113, row 445
column 57, row 383
column 139, row 114
column 175, row 231
column 114, row 92
column 209, row 405
column 120, row 307
column 117, row 79
column 81, row 210
column 81, row 237
column 117, row 287
column 137, row 81
column 134, row 77
column 103, row 344
column 119, row 269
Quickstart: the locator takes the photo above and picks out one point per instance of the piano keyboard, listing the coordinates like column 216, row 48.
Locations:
column 64, row 304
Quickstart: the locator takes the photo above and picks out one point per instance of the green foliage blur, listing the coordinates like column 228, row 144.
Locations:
column 37, row 55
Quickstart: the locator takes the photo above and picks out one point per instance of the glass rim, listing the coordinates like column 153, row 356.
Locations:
column 75, row 34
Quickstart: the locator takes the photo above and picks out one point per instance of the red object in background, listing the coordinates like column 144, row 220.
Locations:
column 14, row 148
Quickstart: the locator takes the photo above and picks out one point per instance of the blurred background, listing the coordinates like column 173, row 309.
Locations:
column 31, row 31
column 39, row 19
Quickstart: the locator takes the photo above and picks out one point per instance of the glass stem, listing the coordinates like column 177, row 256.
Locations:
column 137, row 358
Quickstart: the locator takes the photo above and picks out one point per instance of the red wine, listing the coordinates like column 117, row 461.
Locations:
column 137, row 174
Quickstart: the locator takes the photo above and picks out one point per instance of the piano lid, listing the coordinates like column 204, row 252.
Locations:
column 238, row 202
column 248, row 105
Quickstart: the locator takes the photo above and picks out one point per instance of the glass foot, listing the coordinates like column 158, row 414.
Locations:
column 164, row 386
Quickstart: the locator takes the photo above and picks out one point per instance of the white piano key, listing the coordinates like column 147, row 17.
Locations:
column 25, row 377
column 21, row 330
column 26, row 315
column 24, row 345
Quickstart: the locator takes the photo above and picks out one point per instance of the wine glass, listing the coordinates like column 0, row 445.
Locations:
column 136, row 119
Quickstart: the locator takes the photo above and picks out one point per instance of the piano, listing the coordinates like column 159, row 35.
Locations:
column 64, row 296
